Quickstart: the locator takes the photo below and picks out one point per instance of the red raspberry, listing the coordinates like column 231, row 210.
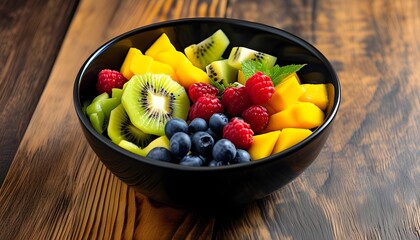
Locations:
column 205, row 106
column 235, row 100
column 260, row 88
column 199, row 89
column 109, row 79
column 257, row 116
column 239, row 133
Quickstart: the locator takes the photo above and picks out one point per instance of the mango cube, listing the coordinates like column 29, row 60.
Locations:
column 300, row 115
column 189, row 74
column 289, row 137
column 125, row 67
column 158, row 67
column 263, row 145
column 173, row 58
column 141, row 64
column 161, row 44
column 286, row 93
column 316, row 94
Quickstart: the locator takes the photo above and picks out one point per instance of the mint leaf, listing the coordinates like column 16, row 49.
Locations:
column 250, row 67
column 277, row 74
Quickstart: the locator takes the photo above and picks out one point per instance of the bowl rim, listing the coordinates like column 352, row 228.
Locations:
column 239, row 22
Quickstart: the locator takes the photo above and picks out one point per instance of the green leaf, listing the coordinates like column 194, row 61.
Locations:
column 250, row 67
column 276, row 73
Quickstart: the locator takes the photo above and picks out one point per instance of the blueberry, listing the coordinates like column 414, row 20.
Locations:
column 192, row 160
column 241, row 156
column 217, row 121
column 214, row 163
column 224, row 150
column 213, row 134
column 175, row 125
column 196, row 125
column 202, row 143
column 161, row 154
column 180, row 144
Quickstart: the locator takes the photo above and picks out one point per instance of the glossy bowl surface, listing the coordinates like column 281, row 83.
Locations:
column 207, row 187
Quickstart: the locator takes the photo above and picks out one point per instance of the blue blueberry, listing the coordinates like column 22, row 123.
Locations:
column 161, row 154
column 180, row 144
column 217, row 122
column 175, row 125
column 241, row 156
column 196, row 125
column 214, row 163
column 224, row 150
column 192, row 160
column 213, row 134
column 202, row 143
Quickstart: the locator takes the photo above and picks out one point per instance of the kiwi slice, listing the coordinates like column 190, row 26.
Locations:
column 208, row 50
column 100, row 109
column 151, row 100
column 129, row 146
column 239, row 54
column 221, row 72
column 120, row 128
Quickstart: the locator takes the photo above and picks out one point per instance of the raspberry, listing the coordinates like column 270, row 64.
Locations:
column 235, row 100
column 199, row 89
column 109, row 79
column 257, row 116
column 239, row 133
column 260, row 88
column 205, row 107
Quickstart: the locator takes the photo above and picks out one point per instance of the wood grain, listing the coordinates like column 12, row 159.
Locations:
column 364, row 184
column 28, row 47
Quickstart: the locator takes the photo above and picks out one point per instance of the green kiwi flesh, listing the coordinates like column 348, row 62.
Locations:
column 239, row 54
column 208, row 50
column 129, row 146
column 100, row 109
column 151, row 100
column 120, row 128
column 221, row 72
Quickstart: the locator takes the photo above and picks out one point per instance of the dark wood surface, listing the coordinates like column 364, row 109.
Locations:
column 31, row 35
column 364, row 184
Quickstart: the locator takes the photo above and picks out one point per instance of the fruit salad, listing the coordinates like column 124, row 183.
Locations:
column 194, row 108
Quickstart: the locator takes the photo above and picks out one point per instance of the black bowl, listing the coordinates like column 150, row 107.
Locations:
column 208, row 187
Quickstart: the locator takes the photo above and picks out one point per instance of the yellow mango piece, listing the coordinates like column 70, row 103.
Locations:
column 173, row 58
column 286, row 93
column 308, row 115
column 189, row 74
column 290, row 137
column 160, row 45
column 263, row 145
column 299, row 115
column 125, row 67
column 316, row 94
column 158, row 67
column 141, row 64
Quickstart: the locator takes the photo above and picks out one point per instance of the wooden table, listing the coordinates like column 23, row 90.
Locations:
column 364, row 185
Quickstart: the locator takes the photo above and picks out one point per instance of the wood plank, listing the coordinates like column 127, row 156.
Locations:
column 31, row 35
column 361, row 187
